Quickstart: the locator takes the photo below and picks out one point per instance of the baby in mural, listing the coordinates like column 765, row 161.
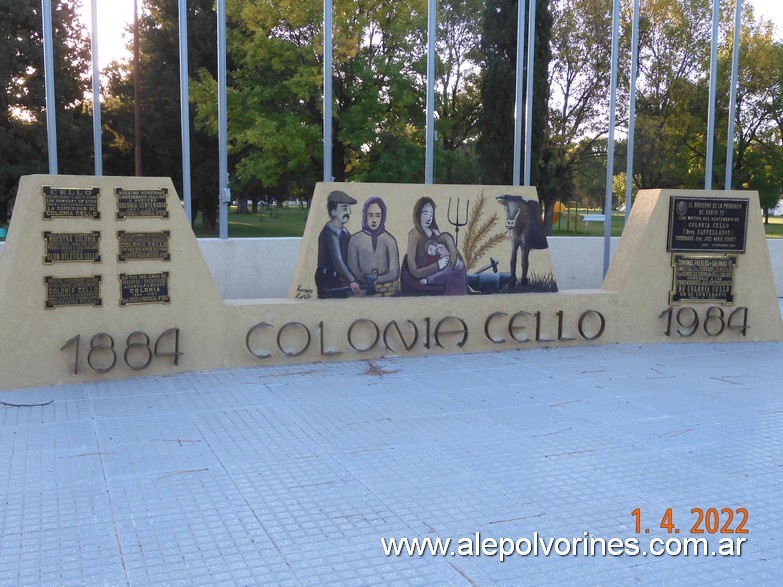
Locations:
column 435, row 252
column 373, row 255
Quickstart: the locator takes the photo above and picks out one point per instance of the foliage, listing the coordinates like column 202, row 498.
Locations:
column 23, row 132
column 495, row 144
column 161, row 142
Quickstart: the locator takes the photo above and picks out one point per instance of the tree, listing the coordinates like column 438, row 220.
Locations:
column 161, row 118
column 276, row 84
column 496, row 120
column 579, row 79
column 458, row 92
column 23, row 138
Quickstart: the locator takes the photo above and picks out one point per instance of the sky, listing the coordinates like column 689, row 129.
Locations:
column 113, row 15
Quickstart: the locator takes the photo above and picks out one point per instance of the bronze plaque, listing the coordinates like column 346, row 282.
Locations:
column 68, row 247
column 143, row 246
column 707, row 224
column 144, row 288
column 142, row 203
column 70, row 203
column 73, row 291
column 703, row 279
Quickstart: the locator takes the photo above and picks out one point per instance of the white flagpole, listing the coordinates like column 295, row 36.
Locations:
column 328, row 90
column 711, row 111
column 733, row 95
column 610, row 139
column 430, row 131
column 51, row 120
column 184, row 107
column 632, row 110
column 518, row 99
column 224, row 195
column 96, row 92
column 531, row 44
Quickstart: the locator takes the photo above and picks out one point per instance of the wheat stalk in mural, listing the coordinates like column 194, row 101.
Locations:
column 478, row 240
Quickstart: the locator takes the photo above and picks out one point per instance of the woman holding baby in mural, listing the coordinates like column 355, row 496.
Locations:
column 432, row 265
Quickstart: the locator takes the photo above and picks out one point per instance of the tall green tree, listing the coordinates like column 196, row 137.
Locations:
column 23, row 133
column 160, row 103
column 758, row 143
column 579, row 79
column 496, row 121
column 458, row 90
column 276, row 87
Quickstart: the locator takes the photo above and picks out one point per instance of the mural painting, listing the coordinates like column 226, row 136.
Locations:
column 494, row 255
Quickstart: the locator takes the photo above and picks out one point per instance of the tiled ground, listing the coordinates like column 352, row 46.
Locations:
column 291, row 475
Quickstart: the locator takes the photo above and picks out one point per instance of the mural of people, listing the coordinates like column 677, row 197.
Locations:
column 445, row 275
column 333, row 278
column 373, row 257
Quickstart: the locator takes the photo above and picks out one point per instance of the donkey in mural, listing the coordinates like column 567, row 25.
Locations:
column 526, row 231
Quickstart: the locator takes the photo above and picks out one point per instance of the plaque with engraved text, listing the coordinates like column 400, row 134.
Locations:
column 133, row 246
column 144, row 288
column 69, row 247
column 142, row 203
column 70, row 202
column 72, row 291
column 703, row 278
column 707, row 224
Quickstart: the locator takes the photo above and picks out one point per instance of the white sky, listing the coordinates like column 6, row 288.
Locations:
column 113, row 15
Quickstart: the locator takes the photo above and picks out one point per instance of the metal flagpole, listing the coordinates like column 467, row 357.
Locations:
column 51, row 121
column 224, row 196
column 96, row 92
column 610, row 139
column 184, row 107
column 328, row 90
column 136, row 91
column 733, row 95
column 430, row 132
column 518, row 99
column 632, row 110
column 713, row 81
column 531, row 44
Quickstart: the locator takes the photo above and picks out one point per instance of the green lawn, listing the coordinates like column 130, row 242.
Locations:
column 290, row 221
column 283, row 221
column 566, row 226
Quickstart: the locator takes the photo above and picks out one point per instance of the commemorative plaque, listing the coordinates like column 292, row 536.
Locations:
column 143, row 246
column 702, row 278
column 72, row 291
column 707, row 224
column 142, row 203
column 70, row 202
column 68, row 247
column 144, row 288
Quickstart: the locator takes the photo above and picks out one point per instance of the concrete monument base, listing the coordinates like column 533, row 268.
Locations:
column 102, row 278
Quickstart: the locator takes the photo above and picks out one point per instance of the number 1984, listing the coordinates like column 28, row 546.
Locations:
column 686, row 321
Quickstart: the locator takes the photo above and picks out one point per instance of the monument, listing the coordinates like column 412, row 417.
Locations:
column 102, row 278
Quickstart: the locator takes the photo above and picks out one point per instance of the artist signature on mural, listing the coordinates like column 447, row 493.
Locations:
column 303, row 293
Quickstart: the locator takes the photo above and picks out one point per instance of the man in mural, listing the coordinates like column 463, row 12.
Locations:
column 373, row 256
column 333, row 279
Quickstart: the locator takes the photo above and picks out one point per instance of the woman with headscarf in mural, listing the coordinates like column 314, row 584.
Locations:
column 373, row 256
column 422, row 274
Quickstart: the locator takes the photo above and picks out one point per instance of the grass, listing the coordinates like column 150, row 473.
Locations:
column 567, row 227
column 268, row 222
column 291, row 220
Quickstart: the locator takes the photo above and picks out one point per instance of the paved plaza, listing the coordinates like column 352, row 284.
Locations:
column 293, row 475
